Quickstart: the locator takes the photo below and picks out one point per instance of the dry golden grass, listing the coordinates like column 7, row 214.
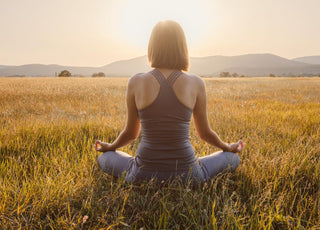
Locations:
column 49, row 178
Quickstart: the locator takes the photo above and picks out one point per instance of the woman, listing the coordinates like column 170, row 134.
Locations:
column 163, row 101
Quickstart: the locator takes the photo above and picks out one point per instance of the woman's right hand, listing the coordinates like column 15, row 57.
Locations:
column 103, row 147
column 236, row 147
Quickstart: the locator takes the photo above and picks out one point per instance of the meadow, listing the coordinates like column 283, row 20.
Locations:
column 49, row 178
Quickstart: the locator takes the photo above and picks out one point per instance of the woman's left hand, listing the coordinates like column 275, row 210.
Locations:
column 103, row 147
column 236, row 147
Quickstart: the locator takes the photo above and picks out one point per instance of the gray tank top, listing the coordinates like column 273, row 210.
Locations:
column 165, row 124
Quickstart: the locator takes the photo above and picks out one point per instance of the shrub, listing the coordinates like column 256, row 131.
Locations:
column 64, row 73
column 100, row 74
column 225, row 74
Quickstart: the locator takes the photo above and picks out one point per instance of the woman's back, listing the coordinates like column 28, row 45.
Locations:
column 165, row 109
column 147, row 88
column 162, row 102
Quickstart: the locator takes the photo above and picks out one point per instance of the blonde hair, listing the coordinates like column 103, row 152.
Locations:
column 168, row 46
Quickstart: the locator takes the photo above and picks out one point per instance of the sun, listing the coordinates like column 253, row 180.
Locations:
column 135, row 19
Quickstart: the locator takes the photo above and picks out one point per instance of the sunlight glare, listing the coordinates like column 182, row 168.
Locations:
column 137, row 18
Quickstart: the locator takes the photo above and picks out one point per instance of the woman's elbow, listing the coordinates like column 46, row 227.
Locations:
column 131, row 135
column 134, row 136
column 204, row 135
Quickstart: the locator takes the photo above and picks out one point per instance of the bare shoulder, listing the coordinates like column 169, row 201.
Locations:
column 135, row 78
column 138, row 79
column 194, row 79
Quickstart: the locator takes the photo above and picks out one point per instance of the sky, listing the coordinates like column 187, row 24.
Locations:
column 98, row 32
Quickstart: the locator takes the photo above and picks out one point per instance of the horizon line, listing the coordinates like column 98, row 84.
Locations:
column 127, row 59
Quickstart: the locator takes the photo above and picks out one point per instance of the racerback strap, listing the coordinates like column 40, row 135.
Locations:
column 161, row 79
column 173, row 77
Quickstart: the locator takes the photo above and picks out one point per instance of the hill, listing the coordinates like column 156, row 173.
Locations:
column 249, row 65
column 315, row 60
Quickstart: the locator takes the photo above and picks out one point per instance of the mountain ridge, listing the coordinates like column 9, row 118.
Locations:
column 315, row 60
column 260, row 64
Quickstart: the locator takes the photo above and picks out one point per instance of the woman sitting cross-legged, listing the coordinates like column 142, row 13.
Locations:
column 162, row 101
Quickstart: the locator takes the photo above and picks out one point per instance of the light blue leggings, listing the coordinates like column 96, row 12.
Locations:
column 115, row 163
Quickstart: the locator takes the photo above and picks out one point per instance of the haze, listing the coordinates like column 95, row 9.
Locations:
column 97, row 32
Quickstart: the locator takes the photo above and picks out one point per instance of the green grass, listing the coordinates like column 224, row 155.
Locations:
column 49, row 178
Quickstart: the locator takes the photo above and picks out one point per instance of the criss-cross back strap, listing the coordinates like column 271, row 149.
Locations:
column 158, row 75
column 173, row 77
column 161, row 79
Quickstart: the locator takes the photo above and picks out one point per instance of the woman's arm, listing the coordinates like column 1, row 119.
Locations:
column 202, row 124
column 131, row 130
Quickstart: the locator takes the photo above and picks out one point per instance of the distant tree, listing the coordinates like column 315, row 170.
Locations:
column 242, row 76
column 64, row 73
column 272, row 75
column 100, row 74
column 225, row 74
column 235, row 75
column 319, row 75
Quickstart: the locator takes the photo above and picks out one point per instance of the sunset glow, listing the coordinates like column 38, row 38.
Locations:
column 97, row 32
column 137, row 19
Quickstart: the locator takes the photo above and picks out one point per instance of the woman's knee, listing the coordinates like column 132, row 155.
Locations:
column 219, row 162
column 104, row 159
column 115, row 162
column 235, row 161
column 231, row 159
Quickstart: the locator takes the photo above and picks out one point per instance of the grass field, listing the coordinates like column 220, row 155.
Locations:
column 49, row 178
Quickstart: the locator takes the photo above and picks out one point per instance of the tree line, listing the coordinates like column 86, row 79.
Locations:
column 67, row 73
